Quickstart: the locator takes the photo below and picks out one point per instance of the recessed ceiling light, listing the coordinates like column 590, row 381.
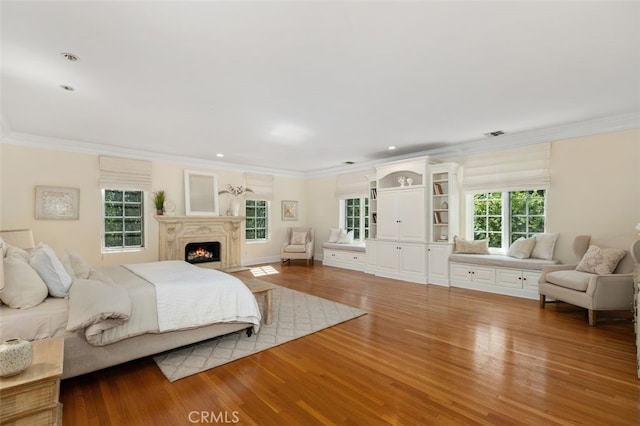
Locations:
column 219, row 155
column 70, row 56
column 391, row 148
column 67, row 88
column 495, row 133
column 349, row 162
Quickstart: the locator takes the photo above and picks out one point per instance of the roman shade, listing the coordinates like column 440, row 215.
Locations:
column 261, row 185
column 125, row 173
column 352, row 185
column 523, row 168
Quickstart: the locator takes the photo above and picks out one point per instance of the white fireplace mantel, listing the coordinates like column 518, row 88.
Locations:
column 175, row 232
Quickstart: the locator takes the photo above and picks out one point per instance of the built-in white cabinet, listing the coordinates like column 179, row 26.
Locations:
column 444, row 218
column 402, row 261
column 345, row 259
column 401, row 223
column 463, row 273
column 401, row 215
column 438, row 263
column 515, row 278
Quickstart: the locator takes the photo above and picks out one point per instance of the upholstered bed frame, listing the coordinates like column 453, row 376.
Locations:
column 80, row 357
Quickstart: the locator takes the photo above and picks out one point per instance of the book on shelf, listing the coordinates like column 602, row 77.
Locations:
column 437, row 189
column 437, row 218
column 374, row 193
column 374, row 217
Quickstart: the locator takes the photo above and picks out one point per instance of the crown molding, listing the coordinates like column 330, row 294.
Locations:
column 509, row 140
column 68, row 145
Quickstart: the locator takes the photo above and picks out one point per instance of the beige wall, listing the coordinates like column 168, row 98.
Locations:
column 22, row 168
column 595, row 189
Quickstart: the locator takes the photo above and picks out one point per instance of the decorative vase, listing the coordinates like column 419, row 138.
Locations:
column 235, row 206
column 15, row 356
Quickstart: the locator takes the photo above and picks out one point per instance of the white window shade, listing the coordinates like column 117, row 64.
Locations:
column 261, row 185
column 125, row 173
column 352, row 185
column 522, row 168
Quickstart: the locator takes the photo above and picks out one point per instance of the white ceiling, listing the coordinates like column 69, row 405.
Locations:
column 302, row 87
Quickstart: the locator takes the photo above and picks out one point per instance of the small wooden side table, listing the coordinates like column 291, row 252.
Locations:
column 31, row 397
column 258, row 288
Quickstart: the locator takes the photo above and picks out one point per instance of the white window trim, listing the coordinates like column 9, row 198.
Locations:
column 269, row 227
column 106, row 250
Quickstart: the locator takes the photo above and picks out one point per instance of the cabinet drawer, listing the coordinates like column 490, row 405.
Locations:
column 484, row 275
column 46, row 417
column 345, row 256
column 20, row 400
column 509, row 278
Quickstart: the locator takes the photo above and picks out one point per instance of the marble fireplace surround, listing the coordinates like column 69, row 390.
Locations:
column 175, row 232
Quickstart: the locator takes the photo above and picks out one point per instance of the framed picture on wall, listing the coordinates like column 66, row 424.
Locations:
column 57, row 203
column 289, row 210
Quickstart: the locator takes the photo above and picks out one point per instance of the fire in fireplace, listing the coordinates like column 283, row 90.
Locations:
column 202, row 252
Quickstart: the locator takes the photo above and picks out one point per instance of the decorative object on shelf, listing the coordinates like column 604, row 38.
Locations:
column 444, row 237
column 159, row 197
column 402, row 181
column 15, row 356
column 409, row 181
column 169, row 208
column 289, row 210
column 236, row 191
column 57, row 203
column 444, row 205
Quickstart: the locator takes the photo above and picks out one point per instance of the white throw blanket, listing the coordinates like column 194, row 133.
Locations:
column 188, row 296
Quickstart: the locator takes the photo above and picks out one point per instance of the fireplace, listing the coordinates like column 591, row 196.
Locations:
column 176, row 232
column 202, row 252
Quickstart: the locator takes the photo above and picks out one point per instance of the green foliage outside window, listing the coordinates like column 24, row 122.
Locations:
column 523, row 216
column 256, row 223
column 123, row 219
column 356, row 217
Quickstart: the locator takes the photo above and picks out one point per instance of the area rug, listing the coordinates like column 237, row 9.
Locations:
column 295, row 314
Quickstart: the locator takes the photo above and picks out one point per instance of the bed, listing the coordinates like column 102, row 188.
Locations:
column 116, row 314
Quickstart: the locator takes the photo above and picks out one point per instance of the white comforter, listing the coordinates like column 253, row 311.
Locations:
column 188, row 296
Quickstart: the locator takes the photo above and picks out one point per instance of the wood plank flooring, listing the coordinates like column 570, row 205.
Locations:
column 422, row 355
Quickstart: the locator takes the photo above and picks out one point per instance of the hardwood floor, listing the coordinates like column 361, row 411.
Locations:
column 422, row 355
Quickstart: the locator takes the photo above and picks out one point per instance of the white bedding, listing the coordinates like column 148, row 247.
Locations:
column 188, row 296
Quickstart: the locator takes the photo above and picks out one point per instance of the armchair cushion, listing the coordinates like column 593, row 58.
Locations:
column 298, row 237
column 295, row 248
column 574, row 280
column 601, row 261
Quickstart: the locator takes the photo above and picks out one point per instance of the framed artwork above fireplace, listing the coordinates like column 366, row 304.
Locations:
column 200, row 193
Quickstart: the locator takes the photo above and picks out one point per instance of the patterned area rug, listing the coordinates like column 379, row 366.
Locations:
column 295, row 314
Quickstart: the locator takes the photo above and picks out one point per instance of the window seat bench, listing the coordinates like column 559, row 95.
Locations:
column 497, row 273
column 349, row 256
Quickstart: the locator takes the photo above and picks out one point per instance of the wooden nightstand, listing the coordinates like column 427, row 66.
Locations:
column 31, row 397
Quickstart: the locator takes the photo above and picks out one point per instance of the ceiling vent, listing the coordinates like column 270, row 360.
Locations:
column 70, row 56
column 496, row 133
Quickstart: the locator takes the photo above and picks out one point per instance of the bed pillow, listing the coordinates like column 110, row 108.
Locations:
column 463, row 246
column 45, row 262
column 75, row 265
column 601, row 261
column 522, row 247
column 346, row 237
column 298, row 238
column 545, row 244
column 23, row 287
column 334, row 234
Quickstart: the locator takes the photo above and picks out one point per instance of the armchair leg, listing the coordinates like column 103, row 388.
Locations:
column 542, row 301
column 592, row 317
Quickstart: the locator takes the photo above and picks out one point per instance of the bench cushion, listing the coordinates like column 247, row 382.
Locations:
column 359, row 247
column 501, row 261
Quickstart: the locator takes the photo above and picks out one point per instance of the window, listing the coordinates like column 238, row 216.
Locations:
column 256, row 228
column 356, row 217
column 123, row 219
column 503, row 217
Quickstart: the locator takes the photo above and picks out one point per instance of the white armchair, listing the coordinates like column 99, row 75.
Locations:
column 298, row 245
column 593, row 291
